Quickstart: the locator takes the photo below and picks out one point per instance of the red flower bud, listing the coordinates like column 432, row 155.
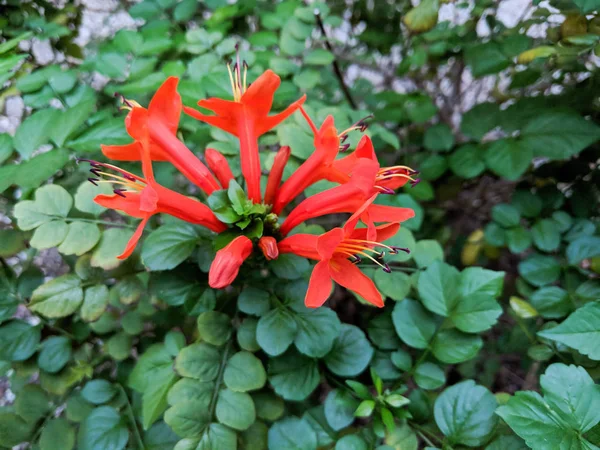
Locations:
column 268, row 245
column 226, row 265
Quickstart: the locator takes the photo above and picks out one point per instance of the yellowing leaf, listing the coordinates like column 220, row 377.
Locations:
column 522, row 309
column 422, row 17
column 472, row 247
column 543, row 51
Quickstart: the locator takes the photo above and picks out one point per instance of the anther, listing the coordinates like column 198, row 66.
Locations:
column 387, row 190
column 357, row 259
column 381, row 255
column 344, row 147
column 387, row 268
column 93, row 181
column 413, row 183
column 96, row 172
column 119, row 192
column 402, row 249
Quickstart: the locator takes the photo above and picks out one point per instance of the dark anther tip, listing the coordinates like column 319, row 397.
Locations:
column 93, row 181
column 119, row 192
column 387, row 269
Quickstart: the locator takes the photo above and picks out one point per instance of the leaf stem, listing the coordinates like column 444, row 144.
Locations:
column 213, row 401
column 136, row 430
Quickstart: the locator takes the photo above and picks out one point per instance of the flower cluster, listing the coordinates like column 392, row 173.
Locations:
column 247, row 221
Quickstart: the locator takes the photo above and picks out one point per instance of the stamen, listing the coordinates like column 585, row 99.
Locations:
column 413, row 183
column 403, row 249
column 94, row 181
column 344, row 148
column 364, row 243
column 120, row 192
column 95, row 172
column 361, row 125
column 385, row 190
column 387, row 268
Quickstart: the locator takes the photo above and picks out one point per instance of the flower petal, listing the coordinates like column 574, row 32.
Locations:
column 130, row 247
column 304, row 245
column 219, row 165
column 226, row 265
column 349, row 276
column 267, row 123
column 259, row 95
column 328, row 242
column 281, row 159
column 224, row 123
column 319, row 285
column 382, row 213
column 166, row 104
column 130, row 204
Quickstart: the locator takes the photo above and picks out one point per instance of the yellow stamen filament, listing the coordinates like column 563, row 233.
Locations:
column 387, row 169
column 352, row 247
column 234, row 85
column 374, row 243
column 135, row 187
column 395, row 175
column 348, row 130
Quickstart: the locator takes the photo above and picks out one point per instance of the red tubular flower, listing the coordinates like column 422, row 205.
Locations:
column 318, row 166
column 226, row 265
column 143, row 197
column 387, row 179
column 161, row 119
column 247, row 117
column 348, row 198
column 219, row 165
column 332, row 250
column 281, row 159
column 268, row 245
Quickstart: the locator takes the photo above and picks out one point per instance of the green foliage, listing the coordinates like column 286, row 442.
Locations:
column 500, row 288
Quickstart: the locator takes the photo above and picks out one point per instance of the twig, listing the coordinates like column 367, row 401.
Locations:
column 136, row 431
column 336, row 67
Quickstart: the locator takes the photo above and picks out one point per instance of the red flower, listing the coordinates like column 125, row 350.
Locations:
column 268, row 245
column 332, row 250
column 348, row 198
column 226, row 265
column 318, row 166
column 276, row 174
column 161, row 120
column 388, row 178
column 143, row 197
column 219, row 165
column 247, row 117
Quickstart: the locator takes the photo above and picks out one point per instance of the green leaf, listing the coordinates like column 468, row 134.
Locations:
column 587, row 6
column 339, row 409
column 58, row 298
column 107, row 132
column 246, row 335
column 476, row 313
column 214, row 327
column 237, row 197
column 244, row 372
column 438, row 288
column 103, row 429
column 34, row 132
column 427, row 251
column 187, row 389
column 583, row 248
column 351, row 352
column 559, row 135
column 529, row 204
column 32, row 403
column 217, row 436
column 289, row 266
column 235, row 409
column 395, row 285
column 422, row 17
column 551, row 302
column 51, row 202
column 81, row 237
column 429, row 376
column 478, row 121
column 169, row 245
column 467, row 161
column 55, row 353
column 6, row 146
column 276, row 331
column 532, row 419
column 476, row 280
column 414, row 324
column 112, row 244
column 508, row 158
column 293, row 376
column 188, row 418
column 13, row 429
column 571, row 392
column 12, row 43
column 317, row 329
column 57, row 433
column 465, row 414
column 319, row 57
column 95, row 302
column 438, row 138
column 254, row 301
column 18, row 340
column 268, row 406
column 199, row 361
column 486, row 58
column 365, row 409
column 98, row 391
column 542, row 51
column 185, row 10
column 351, row 442
column 65, row 123
column 453, row 347
column 581, row 331
column 546, row 235
column 506, row 215
column 292, row 433
column 518, row 239
column 49, row 234
column 539, row 270
column 31, row 173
